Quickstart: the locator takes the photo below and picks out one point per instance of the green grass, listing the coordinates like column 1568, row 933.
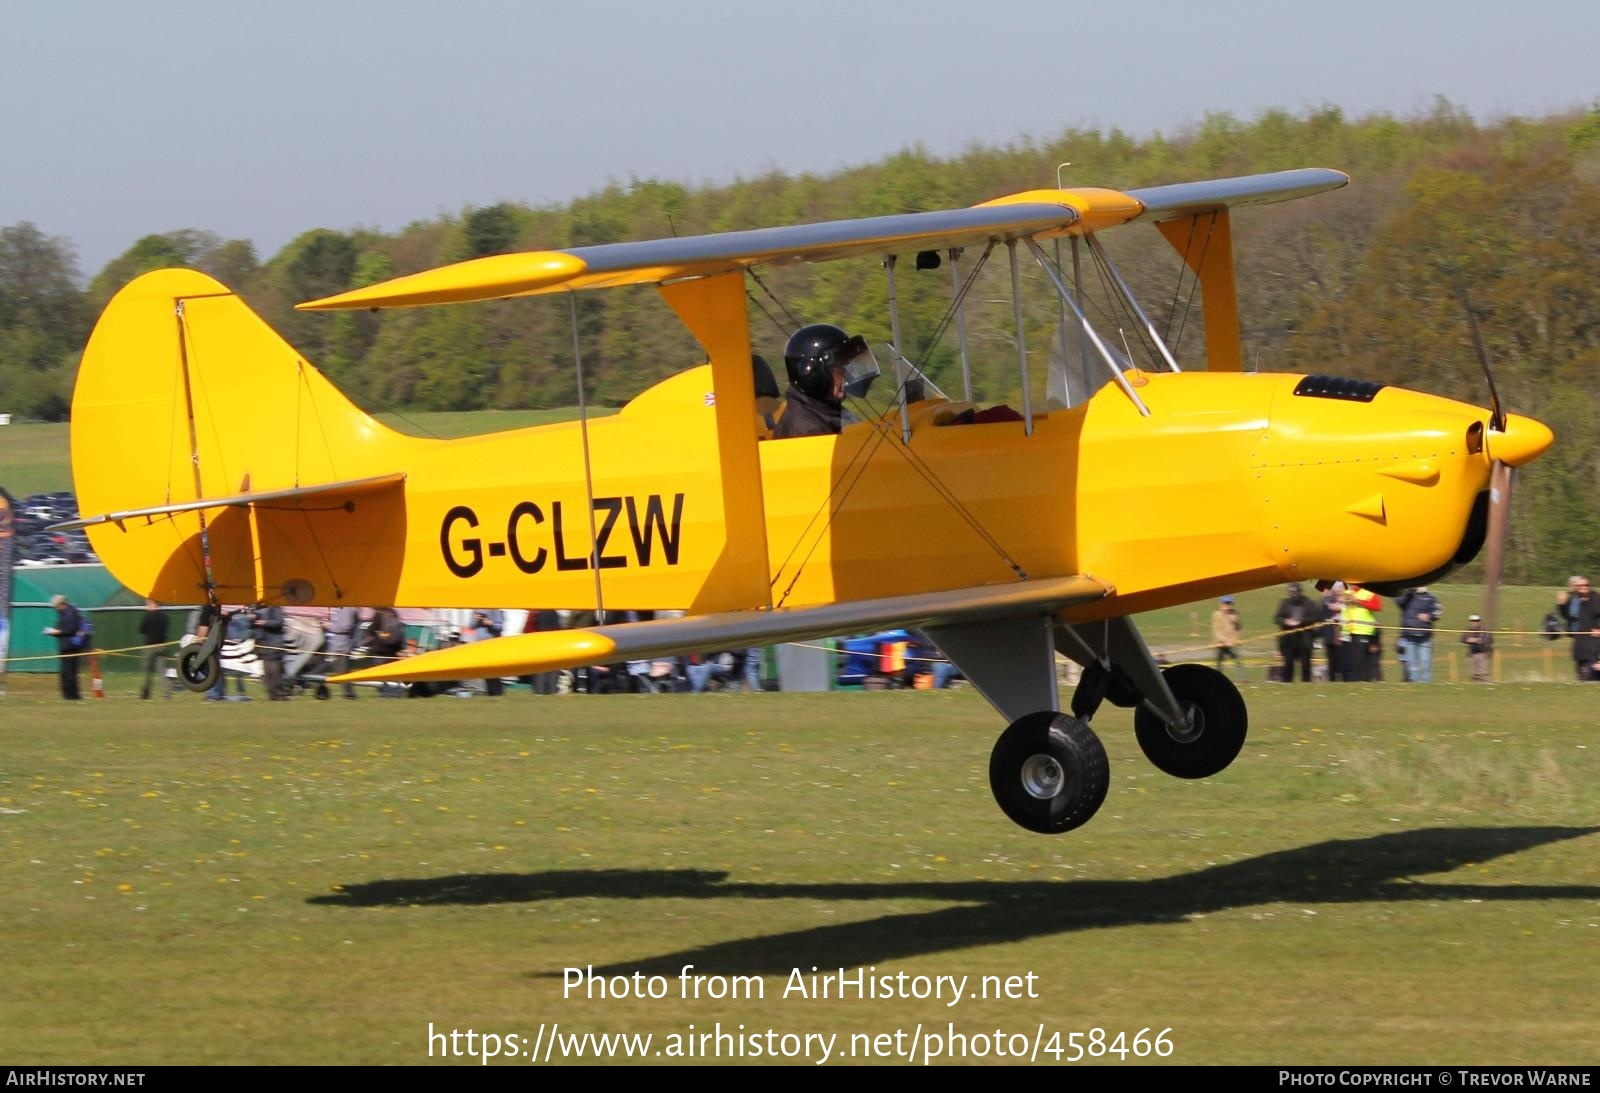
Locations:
column 34, row 459
column 1387, row 874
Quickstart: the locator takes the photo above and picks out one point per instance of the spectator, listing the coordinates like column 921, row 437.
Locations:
column 931, row 659
column 1295, row 615
column 1480, row 647
column 343, row 626
column 486, row 625
column 1225, row 633
column 68, row 632
column 266, row 624
column 1419, row 611
column 541, row 683
column 1586, row 634
column 153, row 634
column 386, row 634
column 1361, row 631
column 705, row 669
column 752, row 669
column 1333, row 630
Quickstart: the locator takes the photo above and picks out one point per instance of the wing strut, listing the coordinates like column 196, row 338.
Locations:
column 588, row 470
column 1083, row 324
column 716, row 313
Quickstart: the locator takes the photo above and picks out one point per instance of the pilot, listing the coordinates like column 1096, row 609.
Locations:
column 817, row 358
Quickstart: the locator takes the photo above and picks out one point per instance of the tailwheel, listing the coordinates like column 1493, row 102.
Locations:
column 1212, row 734
column 1049, row 772
column 199, row 667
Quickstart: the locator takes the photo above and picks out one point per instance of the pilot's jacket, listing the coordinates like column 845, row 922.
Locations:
column 807, row 416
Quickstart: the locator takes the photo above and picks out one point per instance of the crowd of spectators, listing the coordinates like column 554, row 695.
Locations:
column 1346, row 621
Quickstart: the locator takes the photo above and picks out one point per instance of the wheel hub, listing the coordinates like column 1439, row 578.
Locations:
column 1191, row 727
column 1042, row 777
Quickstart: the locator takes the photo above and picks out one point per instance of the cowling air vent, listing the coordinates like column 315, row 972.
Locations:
column 1337, row 387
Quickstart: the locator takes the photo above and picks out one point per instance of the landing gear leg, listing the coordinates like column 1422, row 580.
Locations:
column 1049, row 772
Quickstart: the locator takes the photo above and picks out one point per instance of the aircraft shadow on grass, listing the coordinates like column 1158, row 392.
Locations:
column 1371, row 870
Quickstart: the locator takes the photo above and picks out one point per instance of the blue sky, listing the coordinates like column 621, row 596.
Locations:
column 260, row 120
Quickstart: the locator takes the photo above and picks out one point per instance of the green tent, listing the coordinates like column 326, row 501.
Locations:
column 98, row 595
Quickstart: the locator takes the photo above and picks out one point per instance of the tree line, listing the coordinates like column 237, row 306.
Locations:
column 1368, row 281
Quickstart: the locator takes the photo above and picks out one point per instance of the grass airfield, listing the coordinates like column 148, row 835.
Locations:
column 1389, row 874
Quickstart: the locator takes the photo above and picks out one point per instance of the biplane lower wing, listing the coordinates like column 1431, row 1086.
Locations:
column 521, row 654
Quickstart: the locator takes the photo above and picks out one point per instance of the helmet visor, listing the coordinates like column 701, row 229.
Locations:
column 860, row 366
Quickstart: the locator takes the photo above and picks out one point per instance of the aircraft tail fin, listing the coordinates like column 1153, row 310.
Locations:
column 185, row 394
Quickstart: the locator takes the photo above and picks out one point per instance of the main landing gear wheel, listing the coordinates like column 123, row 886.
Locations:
column 1214, row 733
column 199, row 669
column 1049, row 772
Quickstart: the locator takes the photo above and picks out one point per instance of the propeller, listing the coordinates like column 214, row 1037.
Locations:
column 1500, row 477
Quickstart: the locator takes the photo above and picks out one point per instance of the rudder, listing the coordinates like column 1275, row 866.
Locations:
column 185, row 393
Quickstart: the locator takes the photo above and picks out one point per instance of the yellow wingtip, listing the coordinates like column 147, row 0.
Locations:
column 488, row 278
column 512, row 655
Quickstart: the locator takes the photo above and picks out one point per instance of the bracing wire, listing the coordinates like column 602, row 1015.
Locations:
column 861, row 459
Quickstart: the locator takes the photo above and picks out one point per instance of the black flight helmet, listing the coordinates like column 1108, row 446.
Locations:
column 812, row 355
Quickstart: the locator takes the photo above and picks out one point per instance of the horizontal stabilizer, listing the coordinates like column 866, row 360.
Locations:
column 521, row 654
column 238, row 500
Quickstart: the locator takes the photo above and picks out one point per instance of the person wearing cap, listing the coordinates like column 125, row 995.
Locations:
column 65, row 631
column 1480, row 647
column 1225, row 632
column 1296, row 615
column 1419, row 611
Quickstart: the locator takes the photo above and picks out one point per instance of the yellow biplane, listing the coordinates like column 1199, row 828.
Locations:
column 220, row 465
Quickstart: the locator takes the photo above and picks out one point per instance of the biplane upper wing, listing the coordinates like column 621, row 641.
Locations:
column 1033, row 213
column 521, row 654
column 1191, row 198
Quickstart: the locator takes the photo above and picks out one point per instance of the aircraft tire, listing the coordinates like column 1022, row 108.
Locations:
column 1220, row 723
column 1049, row 772
column 197, row 670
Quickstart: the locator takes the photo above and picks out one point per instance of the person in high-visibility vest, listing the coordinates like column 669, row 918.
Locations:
column 1361, row 629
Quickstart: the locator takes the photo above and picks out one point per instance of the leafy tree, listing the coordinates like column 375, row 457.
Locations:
column 43, row 322
column 490, row 230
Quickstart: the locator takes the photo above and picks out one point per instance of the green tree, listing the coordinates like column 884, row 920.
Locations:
column 43, row 322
